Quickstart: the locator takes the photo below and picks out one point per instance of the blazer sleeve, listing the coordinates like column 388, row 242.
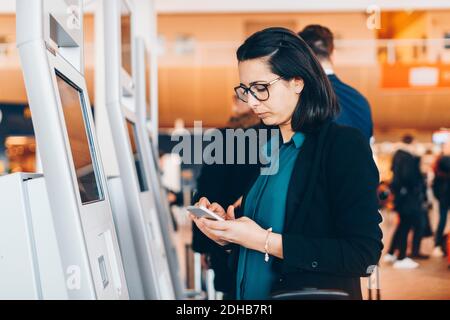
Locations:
column 207, row 186
column 356, row 245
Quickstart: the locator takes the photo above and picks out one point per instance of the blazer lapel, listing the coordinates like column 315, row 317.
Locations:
column 304, row 177
column 299, row 178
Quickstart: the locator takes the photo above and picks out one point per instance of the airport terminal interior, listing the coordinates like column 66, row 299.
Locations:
column 107, row 109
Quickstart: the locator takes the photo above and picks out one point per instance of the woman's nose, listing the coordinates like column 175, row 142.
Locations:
column 252, row 101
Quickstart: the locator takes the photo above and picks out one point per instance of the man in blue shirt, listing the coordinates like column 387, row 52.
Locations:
column 355, row 109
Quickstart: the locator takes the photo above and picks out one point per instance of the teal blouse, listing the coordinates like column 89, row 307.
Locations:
column 265, row 204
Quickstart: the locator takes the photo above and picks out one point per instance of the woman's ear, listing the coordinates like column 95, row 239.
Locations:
column 298, row 85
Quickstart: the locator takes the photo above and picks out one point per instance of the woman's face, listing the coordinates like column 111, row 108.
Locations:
column 284, row 95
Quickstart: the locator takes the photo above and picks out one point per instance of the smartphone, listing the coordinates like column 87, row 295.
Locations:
column 201, row 211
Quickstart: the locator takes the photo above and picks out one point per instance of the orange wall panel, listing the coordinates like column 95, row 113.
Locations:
column 196, row 94
column 397, row 75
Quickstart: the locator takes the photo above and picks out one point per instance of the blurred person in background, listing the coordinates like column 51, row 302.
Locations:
column 410, row 202
column 218, row 183
column 174, row 198
column 355, row 109
column 441, row 190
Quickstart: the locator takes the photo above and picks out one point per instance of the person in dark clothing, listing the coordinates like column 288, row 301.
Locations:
column 409, row 189
column 441, row 190
column 217, row 182
column 407, row 176
column 355, row 109
column 314, row 221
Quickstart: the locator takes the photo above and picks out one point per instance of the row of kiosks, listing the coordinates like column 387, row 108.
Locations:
column 144, row 232
column 69, row 244
column 76, row 232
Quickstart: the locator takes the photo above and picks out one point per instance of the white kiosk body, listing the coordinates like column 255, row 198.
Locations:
column 140, row 230
column 30, row 264
column 50, row 42
column 151, row 164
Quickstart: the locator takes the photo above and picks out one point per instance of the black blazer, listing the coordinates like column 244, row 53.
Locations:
column 331, row 233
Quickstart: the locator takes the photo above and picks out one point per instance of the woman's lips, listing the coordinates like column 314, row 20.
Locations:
column 262, row 114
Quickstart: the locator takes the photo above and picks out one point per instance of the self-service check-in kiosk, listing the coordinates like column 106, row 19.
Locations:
column 140, row 236
column 150, row 160
column 50, row 42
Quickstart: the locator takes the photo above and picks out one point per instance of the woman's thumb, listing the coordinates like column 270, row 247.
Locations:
column 230, row 213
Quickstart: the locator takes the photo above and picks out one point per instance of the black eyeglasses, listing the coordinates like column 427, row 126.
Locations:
column 258, row 90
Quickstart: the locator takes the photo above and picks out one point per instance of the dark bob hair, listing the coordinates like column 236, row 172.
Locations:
column 288, row 56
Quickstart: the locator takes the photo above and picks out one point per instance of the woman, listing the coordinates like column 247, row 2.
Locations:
column 315, row 223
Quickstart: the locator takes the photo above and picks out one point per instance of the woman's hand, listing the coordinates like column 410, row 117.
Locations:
column 243, row 231
column 216, row 208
